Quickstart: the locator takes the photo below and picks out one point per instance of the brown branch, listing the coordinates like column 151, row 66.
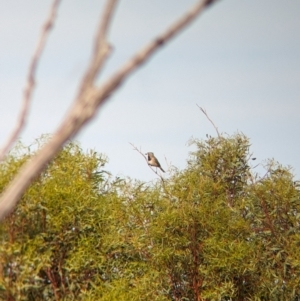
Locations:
column 53, row 282
column 101, row 47
column 30, row 82
column 139, row 151
column 11, row 195
column 267, row 216
column 204, row 112
column 88, row 100
column 145, row 53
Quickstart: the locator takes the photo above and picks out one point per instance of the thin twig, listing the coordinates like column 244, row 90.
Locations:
column 89, row 99
column 30, row 82
column 204, row 112
column 101, row 46
column 139, row 151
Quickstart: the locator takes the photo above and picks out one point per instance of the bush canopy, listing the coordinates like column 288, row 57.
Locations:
column 215, row 230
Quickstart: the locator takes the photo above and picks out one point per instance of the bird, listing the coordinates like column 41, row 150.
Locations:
column 152, row 161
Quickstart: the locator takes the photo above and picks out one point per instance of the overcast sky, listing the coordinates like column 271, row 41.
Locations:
column 240, row 60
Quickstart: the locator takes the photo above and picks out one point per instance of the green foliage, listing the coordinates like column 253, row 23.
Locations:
column 213, row 231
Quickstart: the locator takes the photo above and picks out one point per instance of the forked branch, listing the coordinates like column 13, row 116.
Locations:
column 90, row 98
column 30, row 82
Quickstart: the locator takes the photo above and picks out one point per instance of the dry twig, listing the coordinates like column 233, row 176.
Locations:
column 139, row 151
column 204, row 112
column 30, row 83
column 90, row 98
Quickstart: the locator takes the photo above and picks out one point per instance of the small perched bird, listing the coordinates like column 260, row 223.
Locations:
column 152, row 161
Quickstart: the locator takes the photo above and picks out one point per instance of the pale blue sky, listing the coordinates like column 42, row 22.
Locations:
column 240, row 61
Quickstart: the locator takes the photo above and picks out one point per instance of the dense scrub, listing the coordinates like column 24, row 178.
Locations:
column 213, row 231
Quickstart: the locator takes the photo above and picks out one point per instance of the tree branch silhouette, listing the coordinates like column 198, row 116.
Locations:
column 30, row 81
column 90, row 97
column 204, row 112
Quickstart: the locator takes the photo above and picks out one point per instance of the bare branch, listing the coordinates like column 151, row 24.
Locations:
column 101, row 47
column 84, row 110
column 204, row 112
column 88, row 100
column 145, row 53
column 139, row 151
column 30, row 82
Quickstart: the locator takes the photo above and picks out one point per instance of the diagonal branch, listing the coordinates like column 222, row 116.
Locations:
column 145, row 53
column 101, row 47
column 30, row 84
column 139, row 151
column 84, row 110
column 204, row 112
column 86, row 104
